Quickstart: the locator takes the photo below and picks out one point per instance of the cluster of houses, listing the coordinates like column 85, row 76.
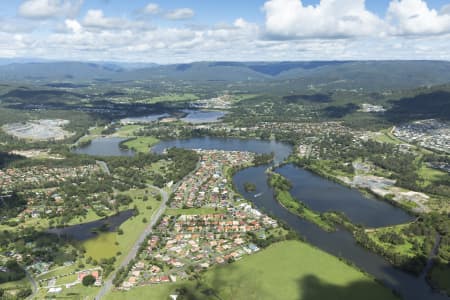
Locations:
column 208, row 186
column 430, row 133
column 221, row 102
column 301, row 129
column 41, row 176
column 371, row 108
column 55, row 288
column 186, row 243
column 46, row 202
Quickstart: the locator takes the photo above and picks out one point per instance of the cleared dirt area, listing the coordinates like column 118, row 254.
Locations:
column 39, row 130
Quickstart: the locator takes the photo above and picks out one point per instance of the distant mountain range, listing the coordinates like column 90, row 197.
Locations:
column 345, row 74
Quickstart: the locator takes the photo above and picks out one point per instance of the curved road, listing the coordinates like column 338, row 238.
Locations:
column 133, row 252
column 33, row 285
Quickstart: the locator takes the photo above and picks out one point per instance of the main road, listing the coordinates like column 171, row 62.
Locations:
column 107, row 286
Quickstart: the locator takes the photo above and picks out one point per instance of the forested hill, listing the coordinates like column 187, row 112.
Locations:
column 338, row 74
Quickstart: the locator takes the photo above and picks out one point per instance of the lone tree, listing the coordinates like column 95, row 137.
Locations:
column 88, row 280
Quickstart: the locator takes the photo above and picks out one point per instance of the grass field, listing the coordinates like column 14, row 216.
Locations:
column 385, row 136
column 429, row 174
column 103, row 246
column 13, row 285
column 107, row 245
column 10, row 289
column 128, row 130
column 142, row 144
column 286, row 270
column 77, row 292
column 405, row 249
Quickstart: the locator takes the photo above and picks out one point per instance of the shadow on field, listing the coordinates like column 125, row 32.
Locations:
column 311, row 288
column 225, row 283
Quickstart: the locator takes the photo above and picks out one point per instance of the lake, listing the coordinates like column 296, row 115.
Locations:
column 144, row 119
column 86, row 231
column 280, row 150
column 104, row 146
column 202, row 116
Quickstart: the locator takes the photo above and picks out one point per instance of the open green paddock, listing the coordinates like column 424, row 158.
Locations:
column 286, row 270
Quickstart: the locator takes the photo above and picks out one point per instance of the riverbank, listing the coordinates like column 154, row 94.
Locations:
column 281, row 188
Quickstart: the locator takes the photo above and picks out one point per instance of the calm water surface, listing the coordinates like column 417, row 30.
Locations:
column 323, row 195
column 202, row 116
column 104, row 146
column 144, row 119
column 280, row 150
column 85, row 231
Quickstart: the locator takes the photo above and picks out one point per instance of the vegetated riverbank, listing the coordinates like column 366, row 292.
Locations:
column 281, row 188
column 139, row 144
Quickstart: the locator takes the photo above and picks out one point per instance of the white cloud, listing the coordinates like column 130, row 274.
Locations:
column 151, row 9
column 298, row 31
column 96, row 19
column 73, row 25
column 44, row 9
column 413, row 17
column 14, row 25
column 180, row 14
column 328, row 19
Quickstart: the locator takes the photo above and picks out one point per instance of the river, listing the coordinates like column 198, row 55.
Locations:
column 321, row 195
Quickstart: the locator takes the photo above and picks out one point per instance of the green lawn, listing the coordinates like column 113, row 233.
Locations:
column 90, row 216
column 405, row 249
column 142, row 144
column 103, row 246
column 429, row 174
column 287, row 270
column 107, row 245
column 11, row 288
column 76, row 292
column 58, row 271
column 387, row 137
column 12, row 285
column 128, row 130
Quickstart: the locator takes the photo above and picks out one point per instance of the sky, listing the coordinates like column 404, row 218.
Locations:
column 176, row 31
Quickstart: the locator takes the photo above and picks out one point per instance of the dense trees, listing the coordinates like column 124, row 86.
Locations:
column 12, row 271
column 88, row 280
column 263, row 158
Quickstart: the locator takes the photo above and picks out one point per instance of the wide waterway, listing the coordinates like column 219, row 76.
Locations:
column 104, row 146
column 322, row 195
